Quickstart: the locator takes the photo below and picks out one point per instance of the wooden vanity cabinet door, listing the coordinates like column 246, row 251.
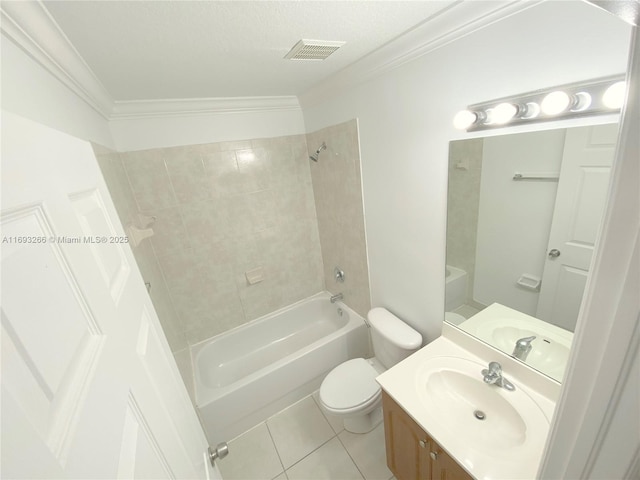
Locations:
column 407, row 445
column 443, row 467
column 411, row 453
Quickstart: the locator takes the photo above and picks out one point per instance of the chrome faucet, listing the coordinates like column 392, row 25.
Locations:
column 493, row 376
column 336, row 297
column 523, row 347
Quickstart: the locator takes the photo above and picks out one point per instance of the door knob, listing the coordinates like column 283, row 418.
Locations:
column 433, row 455
column 221, row 451
column 554, row 253
column 422, row 443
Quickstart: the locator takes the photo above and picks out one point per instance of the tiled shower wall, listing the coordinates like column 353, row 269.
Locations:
column 229, row 208
column 463, row 202
column 337, row 188
column 116, row 179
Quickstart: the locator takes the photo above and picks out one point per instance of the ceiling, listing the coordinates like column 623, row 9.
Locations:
column 146, row 50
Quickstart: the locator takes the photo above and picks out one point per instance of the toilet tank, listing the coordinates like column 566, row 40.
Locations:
column 393, row 340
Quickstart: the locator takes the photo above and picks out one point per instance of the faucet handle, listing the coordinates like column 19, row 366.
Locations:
column 493, row 373
column 493, row 376
column 495, row 367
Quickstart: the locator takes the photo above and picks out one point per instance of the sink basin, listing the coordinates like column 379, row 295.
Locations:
column 549, row 352
column 502, row 327
column 488, row 416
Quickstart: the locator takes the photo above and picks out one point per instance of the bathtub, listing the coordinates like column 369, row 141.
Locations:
column 244, row 376
column 455, row 288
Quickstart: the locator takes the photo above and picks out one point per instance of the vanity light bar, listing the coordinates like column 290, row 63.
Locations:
column 593, row 97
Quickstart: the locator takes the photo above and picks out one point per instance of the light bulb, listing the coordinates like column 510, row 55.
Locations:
column 531, row 110
column 503, row 113
column 555, row 103
column 582, row 101
column 614, row 95
column 464, row 119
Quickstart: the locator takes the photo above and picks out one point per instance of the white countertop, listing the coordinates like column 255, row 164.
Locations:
column 520, row 462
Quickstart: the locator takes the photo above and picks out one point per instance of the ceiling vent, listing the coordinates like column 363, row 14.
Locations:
column 313, row 49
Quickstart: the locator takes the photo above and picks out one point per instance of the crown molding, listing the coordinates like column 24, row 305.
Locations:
column 30, row 26
column 201, row 106
column 458, row 20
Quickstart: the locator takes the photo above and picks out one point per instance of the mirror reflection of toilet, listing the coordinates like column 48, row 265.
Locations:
column 350, row 390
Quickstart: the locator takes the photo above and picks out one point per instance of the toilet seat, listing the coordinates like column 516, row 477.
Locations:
column 350, row 387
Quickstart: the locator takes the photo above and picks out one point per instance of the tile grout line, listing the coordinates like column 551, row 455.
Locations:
column 311, row 452
column 315, row 449
column 275, row 447
column 336, row 435
column 352, row 459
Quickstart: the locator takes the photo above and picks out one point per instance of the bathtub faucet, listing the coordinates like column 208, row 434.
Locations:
column 336, row 297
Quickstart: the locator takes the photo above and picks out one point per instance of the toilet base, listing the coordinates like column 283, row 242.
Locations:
column 363, row 423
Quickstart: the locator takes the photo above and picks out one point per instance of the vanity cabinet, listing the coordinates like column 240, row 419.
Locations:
column 411, row 453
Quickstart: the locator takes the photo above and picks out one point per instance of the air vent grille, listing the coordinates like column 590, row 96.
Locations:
column 313, row 49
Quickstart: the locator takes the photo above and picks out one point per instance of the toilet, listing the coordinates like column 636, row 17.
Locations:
column 350, row 390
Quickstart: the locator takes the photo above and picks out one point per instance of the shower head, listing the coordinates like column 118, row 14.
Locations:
column 314, row 157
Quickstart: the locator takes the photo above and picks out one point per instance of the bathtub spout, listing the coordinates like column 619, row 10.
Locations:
column 335, row 298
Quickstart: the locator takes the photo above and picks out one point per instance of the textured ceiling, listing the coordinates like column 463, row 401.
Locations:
column 142, row 50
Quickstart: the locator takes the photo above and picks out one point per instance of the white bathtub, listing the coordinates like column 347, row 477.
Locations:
column 251, row 372
column 455, row 288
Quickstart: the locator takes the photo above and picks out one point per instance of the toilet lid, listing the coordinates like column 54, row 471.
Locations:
column 349, row 385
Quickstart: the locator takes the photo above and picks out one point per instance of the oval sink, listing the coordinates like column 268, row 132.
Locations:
column 549, row 353
column 487, row 416
column 502, row 327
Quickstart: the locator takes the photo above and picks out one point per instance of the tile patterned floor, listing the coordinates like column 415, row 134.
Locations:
column 303, row 443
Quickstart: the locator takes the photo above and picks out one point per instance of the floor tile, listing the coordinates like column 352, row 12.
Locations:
column 368, row 452
column 282, row 476
column 253, row 456
column 299, row 430
column 330, row 462
column 336, row 422
column 467, row 311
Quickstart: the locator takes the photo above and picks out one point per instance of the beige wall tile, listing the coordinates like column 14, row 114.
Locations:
column 149, row 180
column 170, row 234
column 337, row 190
column 230, row 207
column 187, row 174
column 226, row 208
column 206, row 222
column 117, row 181
column 463, row 202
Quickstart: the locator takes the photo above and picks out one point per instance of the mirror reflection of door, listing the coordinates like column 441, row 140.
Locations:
column 513, row 200
column 580, row 202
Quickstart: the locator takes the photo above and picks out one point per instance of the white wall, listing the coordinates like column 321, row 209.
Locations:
column 172, row 131
column 514, row 218
column 32, row 92
column 405, row 126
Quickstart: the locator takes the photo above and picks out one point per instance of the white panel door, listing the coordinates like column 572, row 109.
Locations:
column 89, row 385
column 580, row 202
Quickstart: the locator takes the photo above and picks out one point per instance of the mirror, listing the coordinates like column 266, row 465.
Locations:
column 523, row 214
